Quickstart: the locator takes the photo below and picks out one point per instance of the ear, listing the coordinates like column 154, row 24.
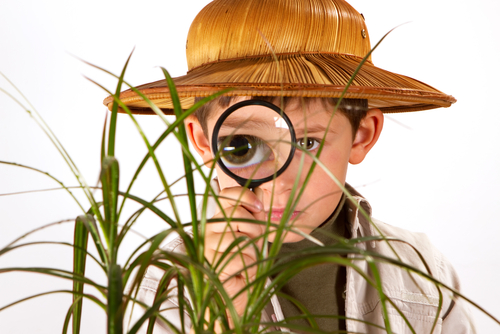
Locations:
column 197, row 138
column 367, row 135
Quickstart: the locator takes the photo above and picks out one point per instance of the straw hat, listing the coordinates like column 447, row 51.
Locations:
column 317, row 45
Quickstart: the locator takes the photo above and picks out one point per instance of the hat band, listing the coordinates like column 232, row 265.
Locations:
column 267, row 55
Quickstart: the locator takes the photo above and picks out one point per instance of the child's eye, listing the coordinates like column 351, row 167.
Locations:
column 308, row 143
column 242, row 151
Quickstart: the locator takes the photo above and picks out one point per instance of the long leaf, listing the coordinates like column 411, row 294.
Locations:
column 114, row 111
column 34, row 243
column 170, row 128
column 81, row 238
column 53, row 138
column 90, row 297
column 46, row 174
column 71, row 311
column 115, row 308
column 188, row 169
column 110, row 177
column 69, row 275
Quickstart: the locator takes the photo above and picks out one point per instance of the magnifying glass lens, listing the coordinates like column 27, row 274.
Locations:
column 243, row 151
column 253, row 141
column 247, row 156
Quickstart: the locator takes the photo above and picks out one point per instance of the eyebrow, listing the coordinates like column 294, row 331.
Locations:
column 316, row 128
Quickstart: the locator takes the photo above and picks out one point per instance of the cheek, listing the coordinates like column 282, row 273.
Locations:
column 323, row 189
column 335, row 159
column 323, row 181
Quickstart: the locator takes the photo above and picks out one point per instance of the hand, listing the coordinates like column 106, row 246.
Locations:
column 237, row 203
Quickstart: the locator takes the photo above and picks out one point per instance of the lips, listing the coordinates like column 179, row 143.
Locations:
column 276, row 215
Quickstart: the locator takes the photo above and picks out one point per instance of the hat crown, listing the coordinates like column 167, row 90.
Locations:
column 318, row 46
column 232, row 29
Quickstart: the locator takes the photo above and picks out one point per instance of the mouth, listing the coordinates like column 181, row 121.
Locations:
column 277, row 214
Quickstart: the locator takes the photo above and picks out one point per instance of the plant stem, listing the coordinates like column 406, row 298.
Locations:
column 115, row 297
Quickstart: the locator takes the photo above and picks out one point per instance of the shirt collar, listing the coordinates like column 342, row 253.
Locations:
column 359, row 216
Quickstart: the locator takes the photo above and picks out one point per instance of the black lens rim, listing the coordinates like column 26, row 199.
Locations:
column 251, row 183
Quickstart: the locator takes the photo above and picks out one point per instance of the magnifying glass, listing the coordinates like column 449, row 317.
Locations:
column 253, row 142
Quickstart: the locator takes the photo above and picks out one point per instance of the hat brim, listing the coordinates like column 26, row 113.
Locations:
column 296, row 75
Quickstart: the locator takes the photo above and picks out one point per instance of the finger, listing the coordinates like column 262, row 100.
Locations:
column 251, row 229
column 234, row 264
column 233, row 286
column 259, row 193
column 239, row 196
column 254, row 230
column 234, row 216
column 219, row 243
column 236, row 256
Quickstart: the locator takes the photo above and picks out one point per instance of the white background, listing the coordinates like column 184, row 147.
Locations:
column 434, row 171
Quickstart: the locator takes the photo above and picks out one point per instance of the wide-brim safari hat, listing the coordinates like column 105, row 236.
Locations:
column 299, row 48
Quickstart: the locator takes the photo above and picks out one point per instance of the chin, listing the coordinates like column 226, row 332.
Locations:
column 288, row 238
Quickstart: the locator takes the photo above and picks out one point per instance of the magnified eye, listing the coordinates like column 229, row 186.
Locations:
column 241, row 151
column 308, row 144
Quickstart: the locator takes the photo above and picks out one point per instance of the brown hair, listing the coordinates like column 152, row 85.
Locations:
column 354, row 109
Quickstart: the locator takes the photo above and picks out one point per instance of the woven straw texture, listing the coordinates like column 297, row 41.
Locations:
column 306, row 48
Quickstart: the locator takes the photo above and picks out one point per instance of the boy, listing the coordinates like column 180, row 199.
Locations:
column 300, row 55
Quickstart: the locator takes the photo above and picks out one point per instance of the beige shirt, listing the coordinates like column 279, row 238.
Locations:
column 326, row 282
column 416, row 297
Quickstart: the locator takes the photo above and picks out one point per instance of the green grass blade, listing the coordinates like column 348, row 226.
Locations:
column 103, row 139
column 48, row 175
column 94, row 232
column 114, row 111
column 55, row 141
column 188, row 168
column 381, row 294
column 110, row 177
column 77, row 300
column 38, row 229
column 90, row 297
column 162, row 288
column 60, row 243
column 150, row 311
column 95, row 205
column 148, row 255
column 188, row 174
column 69, row 275
column 171, row 127
column 81, row 238
column 152, row 154
column 114, row 308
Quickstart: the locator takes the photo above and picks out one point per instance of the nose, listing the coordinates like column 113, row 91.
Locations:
column 282, row 186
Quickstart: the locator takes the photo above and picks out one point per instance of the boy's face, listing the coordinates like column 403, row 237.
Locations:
column 322, row 192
